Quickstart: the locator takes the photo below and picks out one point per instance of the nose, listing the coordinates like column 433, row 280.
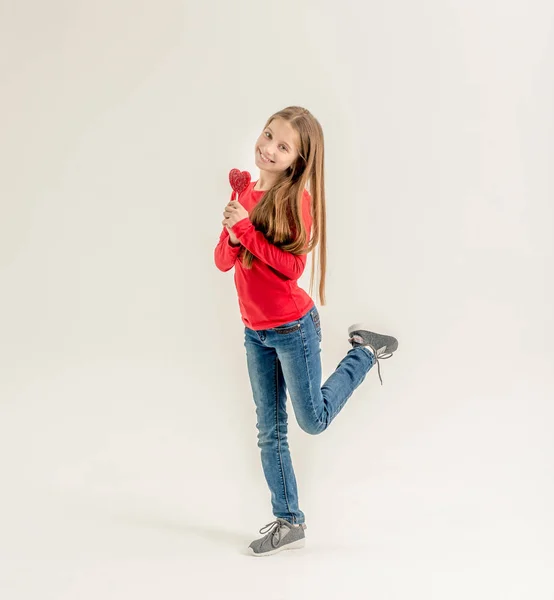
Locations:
column 267, row 152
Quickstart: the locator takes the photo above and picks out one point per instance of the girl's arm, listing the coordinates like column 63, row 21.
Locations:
column 225, row 254
column 289, row 265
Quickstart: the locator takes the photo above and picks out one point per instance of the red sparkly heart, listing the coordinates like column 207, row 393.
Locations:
column 239, row 181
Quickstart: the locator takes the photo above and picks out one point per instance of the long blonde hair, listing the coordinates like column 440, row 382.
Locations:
column 278, row 215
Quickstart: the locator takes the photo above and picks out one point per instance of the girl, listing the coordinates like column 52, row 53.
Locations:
column 267, row 233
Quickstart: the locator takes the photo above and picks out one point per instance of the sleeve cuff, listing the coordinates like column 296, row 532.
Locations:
column 232, row 246
column 240, row 228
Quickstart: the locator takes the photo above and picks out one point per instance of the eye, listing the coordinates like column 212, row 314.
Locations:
column 282, row 145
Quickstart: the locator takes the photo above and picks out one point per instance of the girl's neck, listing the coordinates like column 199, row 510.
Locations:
column 256, row 189
column 264, row 183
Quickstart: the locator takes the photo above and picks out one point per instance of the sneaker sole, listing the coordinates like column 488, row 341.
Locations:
column 292, row 546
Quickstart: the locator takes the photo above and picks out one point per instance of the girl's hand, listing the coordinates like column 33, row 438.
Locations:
column 233, row 213
column 232, row 236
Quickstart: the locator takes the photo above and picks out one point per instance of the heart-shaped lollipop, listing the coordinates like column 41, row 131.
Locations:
column 239, row 180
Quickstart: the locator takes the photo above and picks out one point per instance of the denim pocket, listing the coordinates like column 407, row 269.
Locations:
column 317, row 323
column 287, row 328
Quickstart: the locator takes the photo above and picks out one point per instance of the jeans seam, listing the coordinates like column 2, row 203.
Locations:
column 317, row 324
column 310, row 384
column 356, row 384
column 276, row 395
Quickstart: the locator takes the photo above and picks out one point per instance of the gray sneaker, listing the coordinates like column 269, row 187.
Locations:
column 279, row 535
column 382, row 346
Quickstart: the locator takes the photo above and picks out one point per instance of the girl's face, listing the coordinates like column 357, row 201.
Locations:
column 279, row 143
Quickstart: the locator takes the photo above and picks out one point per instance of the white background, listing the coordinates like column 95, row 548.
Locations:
column 128, row 458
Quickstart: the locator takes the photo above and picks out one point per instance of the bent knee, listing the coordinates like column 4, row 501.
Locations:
column 312, row 428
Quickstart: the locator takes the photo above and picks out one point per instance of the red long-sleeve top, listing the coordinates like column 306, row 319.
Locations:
column 268, row 293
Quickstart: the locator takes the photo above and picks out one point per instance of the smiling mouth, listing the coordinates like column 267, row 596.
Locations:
column 263, row 157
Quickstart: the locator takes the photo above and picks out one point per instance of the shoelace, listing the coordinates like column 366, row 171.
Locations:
column 378, row 357
column 272, row 528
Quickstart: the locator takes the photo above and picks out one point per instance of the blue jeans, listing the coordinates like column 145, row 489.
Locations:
column 288, row 356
